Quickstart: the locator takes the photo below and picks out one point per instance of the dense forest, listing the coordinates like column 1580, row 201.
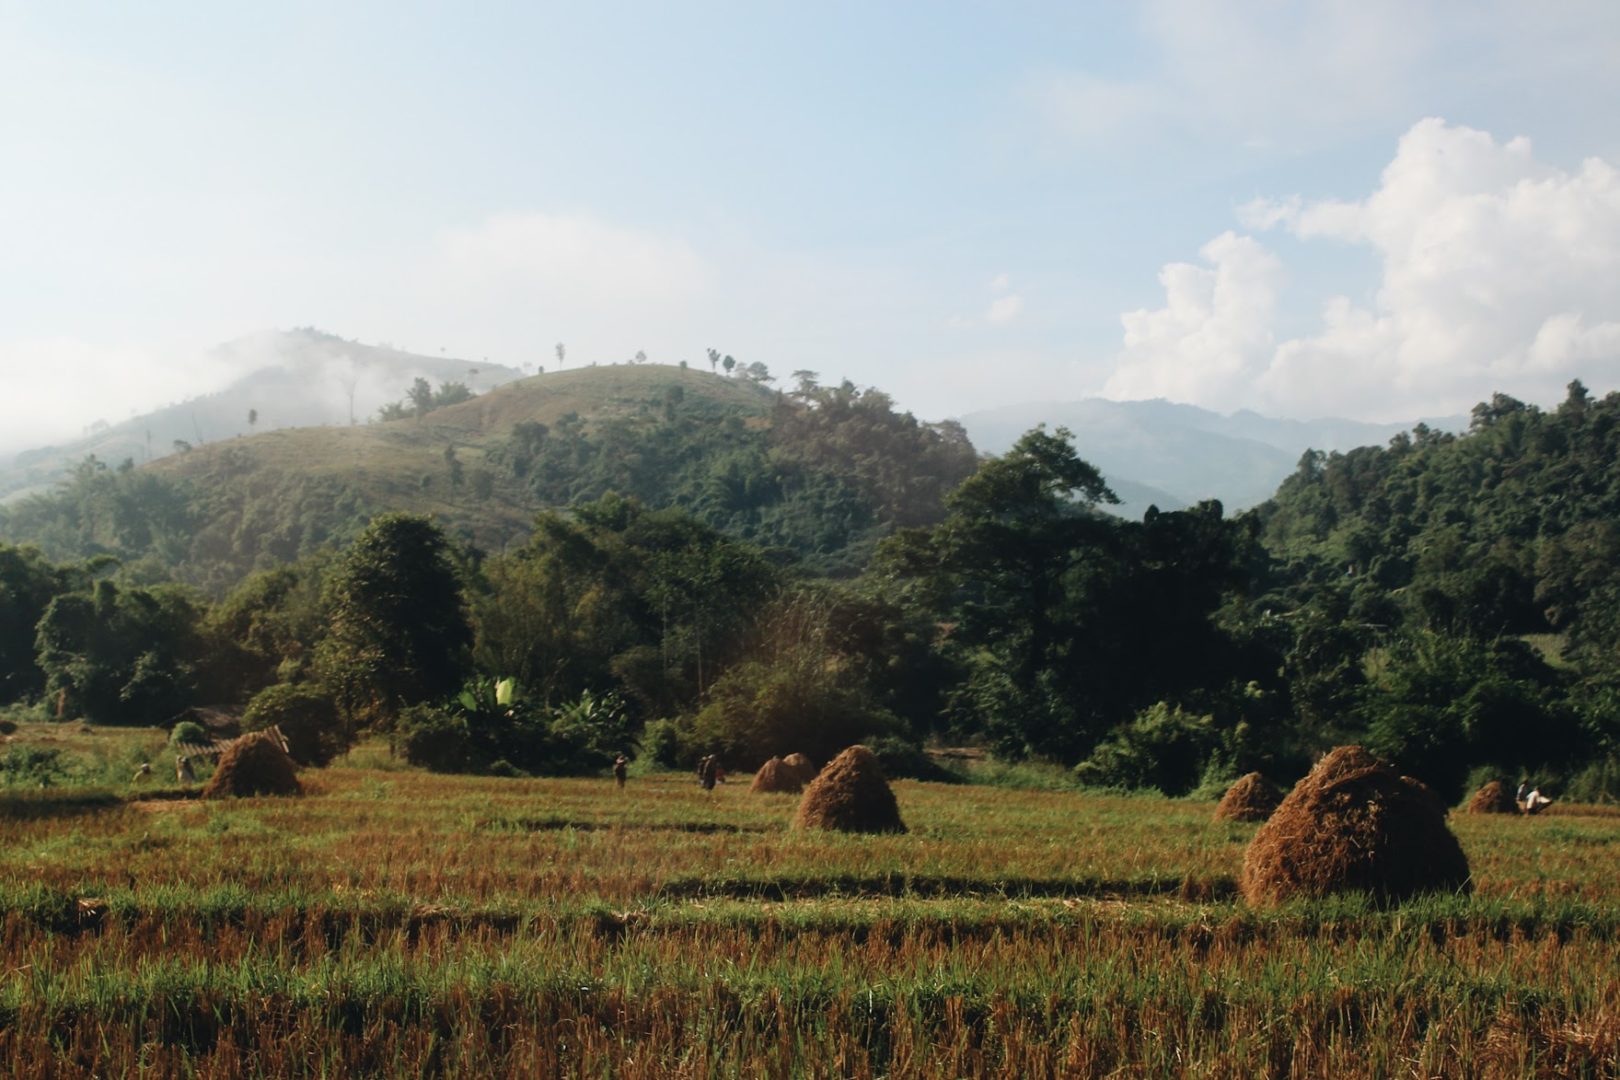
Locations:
column 818, row 568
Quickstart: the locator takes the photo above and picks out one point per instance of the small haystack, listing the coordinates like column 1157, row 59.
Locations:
column 802, row 767
column 1352, row 825
column 255, row 764
column 850, row 795
column 1494, row 798
column 775, row 776
column 1252, row 798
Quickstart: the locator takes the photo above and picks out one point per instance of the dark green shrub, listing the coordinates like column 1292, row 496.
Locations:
column 306, row 715
column 757, row 710
column 1163, row 747
column 589, row 733
column 438, row 738
column 189, row 733
column 661, row 741
column 902, row 758
column 34, row 766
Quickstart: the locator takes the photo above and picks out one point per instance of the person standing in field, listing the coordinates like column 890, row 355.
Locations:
column 709, row 771
column 621, row 765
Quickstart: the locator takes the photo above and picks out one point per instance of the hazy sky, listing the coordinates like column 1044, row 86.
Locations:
column 1358, row 208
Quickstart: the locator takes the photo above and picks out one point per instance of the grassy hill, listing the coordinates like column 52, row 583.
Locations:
column 819, row 474
column 402, row 464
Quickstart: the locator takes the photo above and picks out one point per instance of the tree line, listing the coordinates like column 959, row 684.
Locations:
column 1447, row 600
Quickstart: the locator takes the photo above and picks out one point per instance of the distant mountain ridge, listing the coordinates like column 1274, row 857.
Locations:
column 296, row 378
column 1158, row 452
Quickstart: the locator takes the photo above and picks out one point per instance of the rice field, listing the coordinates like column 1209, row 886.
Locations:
column 396, row 923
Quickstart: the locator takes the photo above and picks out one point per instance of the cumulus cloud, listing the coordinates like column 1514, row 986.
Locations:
column 1498, row 272
column 1212, row 337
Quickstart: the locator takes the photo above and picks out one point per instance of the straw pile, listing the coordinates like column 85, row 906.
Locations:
column 1354, row 825
column 1494, row 798
column 850, row 795
column 255, row 764
column 1252, row 798
column 775, row 777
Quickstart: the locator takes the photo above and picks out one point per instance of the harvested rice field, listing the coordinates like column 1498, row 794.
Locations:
column 397, row 923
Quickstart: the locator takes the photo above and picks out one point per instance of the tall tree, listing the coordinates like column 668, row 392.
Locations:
column 118, row 656
column 397, row 632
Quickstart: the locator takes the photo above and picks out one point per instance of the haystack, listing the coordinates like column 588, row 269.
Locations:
column 253, row 765
column 1252, row 798
column 775, row 776
column 850, row 795
column 801, row 766
column 1494, row 798
column 1354, row 825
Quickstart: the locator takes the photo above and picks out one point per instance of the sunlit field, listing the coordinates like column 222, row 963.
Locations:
column 393, row 922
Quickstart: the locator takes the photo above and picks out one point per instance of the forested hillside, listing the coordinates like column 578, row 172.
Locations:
column 817, row 474
column 1509, row 529
column 692, row 564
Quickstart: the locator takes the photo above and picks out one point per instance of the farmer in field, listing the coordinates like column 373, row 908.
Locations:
column 621, row 765
column 1536, row 802
column 1524, row 790
column 709, row 771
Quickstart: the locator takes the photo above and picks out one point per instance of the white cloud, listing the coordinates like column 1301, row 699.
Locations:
column 1004, row 309
column 1212, row 337
column 1498, row 273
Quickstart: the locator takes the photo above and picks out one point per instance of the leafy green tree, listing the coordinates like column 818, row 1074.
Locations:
column 1162, row 747
column 397, row 625
column 307, row 717
column 647, row 603
column 421, row 397
column 1444, row 703
column 120, row 656
column 28, row 584
column 263, row 632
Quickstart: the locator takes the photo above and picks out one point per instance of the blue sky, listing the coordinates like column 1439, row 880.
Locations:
column 1304, row 208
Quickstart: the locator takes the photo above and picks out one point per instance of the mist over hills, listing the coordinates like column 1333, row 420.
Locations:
column 289, row 379
column 1162, row 453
